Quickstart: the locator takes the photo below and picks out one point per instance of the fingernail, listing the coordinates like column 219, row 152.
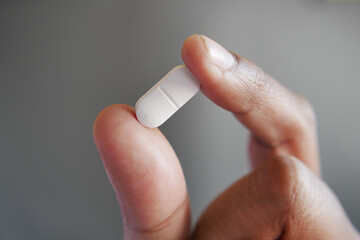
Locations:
column 218, row 54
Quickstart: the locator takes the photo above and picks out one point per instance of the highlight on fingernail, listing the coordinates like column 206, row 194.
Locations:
column 219, row 56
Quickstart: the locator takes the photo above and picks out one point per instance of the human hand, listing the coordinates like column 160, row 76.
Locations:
column 282, row 198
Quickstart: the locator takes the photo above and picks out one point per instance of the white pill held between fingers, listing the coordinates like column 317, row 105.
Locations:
column 166, row 97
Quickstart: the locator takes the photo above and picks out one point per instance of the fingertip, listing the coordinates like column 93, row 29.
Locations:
column 110, row 118
column 191, row 47
column 216, row 84
column 116, row 130
column 143, row 169
column 195, row 56
column 129, row 150
column 109, row 113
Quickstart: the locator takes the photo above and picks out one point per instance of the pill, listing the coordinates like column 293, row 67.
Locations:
column 166, row 97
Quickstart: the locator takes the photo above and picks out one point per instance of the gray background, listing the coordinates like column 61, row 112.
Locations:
column 61, row 62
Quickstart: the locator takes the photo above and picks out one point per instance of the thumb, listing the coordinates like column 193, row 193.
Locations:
column 281, row 199
column 280, row 121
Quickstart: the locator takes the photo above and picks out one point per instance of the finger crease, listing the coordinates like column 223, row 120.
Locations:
column 273, row 144
column 163, row 223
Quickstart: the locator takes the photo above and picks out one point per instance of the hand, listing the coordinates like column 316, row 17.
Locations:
column 282, row 198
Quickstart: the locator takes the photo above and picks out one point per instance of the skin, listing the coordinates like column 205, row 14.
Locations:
column 283, row 197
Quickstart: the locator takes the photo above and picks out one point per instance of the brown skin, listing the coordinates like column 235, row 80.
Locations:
column 282, row 198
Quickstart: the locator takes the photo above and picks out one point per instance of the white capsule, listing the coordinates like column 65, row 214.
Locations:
column 166, row 97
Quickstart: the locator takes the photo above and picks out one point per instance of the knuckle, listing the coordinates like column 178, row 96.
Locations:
column 304, row 121
column 283, row 180
column 308, row 112
column 297, row 195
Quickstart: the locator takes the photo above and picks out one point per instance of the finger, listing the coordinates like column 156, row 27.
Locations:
column 146, row 176
column 280, row 121
column 281, row 199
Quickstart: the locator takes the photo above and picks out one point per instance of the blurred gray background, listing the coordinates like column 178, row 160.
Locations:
column 61, row 62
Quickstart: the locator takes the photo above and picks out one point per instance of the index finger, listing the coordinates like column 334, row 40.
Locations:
column 280, row 121
column 145, row 174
